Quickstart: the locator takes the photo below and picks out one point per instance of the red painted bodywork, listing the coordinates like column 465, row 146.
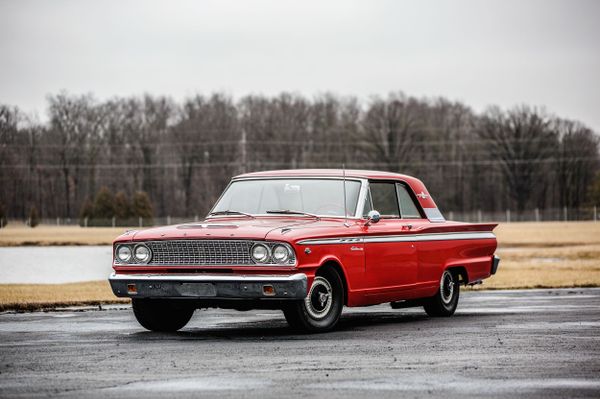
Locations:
column 373, row 272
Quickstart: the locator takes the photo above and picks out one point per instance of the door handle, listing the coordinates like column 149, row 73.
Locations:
column 406, row 226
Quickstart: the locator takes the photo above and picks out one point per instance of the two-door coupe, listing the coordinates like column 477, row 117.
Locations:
column 307, row 242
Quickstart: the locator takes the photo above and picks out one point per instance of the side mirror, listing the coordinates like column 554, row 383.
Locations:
column 373, row 217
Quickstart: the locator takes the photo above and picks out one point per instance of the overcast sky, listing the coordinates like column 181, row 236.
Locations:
column 502, row 52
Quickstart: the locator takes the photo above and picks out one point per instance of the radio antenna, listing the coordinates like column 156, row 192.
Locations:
column 345, row 206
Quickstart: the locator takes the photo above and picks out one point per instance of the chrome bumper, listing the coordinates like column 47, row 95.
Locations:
column 207, row 286
column 495, row 263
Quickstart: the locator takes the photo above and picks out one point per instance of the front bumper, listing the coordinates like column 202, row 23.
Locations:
column 209, row 286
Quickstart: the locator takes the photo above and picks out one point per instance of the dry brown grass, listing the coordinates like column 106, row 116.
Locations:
column 38, row 296
column 19, row 234
column 548, row 234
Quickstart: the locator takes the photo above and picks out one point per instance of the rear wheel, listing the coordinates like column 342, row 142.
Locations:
column 161, row 315
column 322, row 307
column 445, row 301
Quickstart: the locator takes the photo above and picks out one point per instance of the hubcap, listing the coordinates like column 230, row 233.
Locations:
column 447, row 287
column 319, row 299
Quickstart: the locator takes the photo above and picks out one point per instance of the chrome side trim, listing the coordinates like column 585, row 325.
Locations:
column 324, row 241
column 401, row 238
column 431, row 237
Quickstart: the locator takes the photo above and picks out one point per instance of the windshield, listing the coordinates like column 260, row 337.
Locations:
column 323, row 197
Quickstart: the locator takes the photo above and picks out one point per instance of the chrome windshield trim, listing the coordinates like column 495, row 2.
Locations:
column 357, row 212
column 401, row 238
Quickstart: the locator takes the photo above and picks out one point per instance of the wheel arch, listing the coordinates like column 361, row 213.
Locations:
column 461, row 272
column 333, row 264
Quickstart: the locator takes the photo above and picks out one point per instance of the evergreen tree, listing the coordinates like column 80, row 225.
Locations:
column 142, row 207
column 122, row 206
column 86, row 211
column 34, row 218
column 594, row 191
column 104, row 205
column 3, row 220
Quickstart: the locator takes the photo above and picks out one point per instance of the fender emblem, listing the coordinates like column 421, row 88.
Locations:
column 422, row 195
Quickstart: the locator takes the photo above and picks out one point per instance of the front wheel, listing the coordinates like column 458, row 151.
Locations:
column 445, row 301
column 322, row 307
column 161, row 315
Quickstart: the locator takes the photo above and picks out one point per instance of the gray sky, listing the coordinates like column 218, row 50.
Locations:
column 502, row 52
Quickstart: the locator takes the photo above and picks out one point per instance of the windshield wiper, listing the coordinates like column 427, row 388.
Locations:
column 230, row 212
column 290, row 212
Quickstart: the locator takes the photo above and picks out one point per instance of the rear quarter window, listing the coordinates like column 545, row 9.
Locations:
column 408, row 208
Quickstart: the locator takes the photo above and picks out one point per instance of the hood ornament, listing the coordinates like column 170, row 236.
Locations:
column 207, row 226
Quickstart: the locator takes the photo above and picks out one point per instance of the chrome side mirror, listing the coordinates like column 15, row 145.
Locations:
column 372, row 217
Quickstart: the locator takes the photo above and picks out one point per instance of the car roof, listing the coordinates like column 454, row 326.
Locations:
column 364, row 174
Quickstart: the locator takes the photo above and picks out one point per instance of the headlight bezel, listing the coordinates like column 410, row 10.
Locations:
column 284, row 260
column 267, row 257
column 142, row 261
column 118, row 258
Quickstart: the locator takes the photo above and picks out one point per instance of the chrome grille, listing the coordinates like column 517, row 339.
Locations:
column 202, row 252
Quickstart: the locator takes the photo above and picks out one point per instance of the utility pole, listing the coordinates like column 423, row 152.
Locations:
column 243, row 150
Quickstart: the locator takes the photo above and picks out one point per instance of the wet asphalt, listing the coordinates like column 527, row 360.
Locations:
column 536, row 343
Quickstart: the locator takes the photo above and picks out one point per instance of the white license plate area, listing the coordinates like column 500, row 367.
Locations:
column 197, row 289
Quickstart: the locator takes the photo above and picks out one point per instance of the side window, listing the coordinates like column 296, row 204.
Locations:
column 408, row 209
column 384, row 199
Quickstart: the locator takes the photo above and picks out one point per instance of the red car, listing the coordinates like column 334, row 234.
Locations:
column 307, row 242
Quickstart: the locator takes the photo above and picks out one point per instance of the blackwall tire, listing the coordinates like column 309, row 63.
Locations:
column 161, row 315
column 445, row 301
column 321, row 309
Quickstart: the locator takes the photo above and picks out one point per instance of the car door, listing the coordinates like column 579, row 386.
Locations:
column 391, row 259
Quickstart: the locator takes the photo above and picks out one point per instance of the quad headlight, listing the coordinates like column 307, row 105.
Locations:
column 281, row 253
column 131, row 254
column 142, row 253
column 269, row 253
column 260, row 253
column 124, row 253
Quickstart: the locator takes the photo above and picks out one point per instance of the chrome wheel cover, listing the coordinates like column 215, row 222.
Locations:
column 319, row 300
column 447, row 287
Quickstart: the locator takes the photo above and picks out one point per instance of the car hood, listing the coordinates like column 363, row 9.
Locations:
column 233, row 228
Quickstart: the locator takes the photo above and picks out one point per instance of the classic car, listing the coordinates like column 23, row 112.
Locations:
column 308, row 242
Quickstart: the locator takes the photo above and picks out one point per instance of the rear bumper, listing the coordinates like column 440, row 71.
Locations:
column 208, row 286
column 495, row 263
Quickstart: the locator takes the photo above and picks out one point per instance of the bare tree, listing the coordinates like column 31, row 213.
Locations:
column 577, row 162
column 520, row 140
column 391, row 128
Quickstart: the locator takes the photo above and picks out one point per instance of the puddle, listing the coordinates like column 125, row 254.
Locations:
column 225, row 383
column 458, row 384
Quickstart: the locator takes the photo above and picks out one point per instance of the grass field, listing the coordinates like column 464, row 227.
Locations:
column 19, row 234
column 534, row 255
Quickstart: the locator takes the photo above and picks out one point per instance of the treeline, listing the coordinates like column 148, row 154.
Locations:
column 183, row 154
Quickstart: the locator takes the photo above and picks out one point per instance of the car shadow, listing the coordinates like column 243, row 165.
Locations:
column 276, row 329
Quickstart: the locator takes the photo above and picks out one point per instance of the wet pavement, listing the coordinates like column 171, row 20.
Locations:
column 536, row 343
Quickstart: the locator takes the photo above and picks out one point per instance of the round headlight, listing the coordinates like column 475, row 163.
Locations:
column 260, row 253
column 281, row 254
column 123, row 253
column 142, row 254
